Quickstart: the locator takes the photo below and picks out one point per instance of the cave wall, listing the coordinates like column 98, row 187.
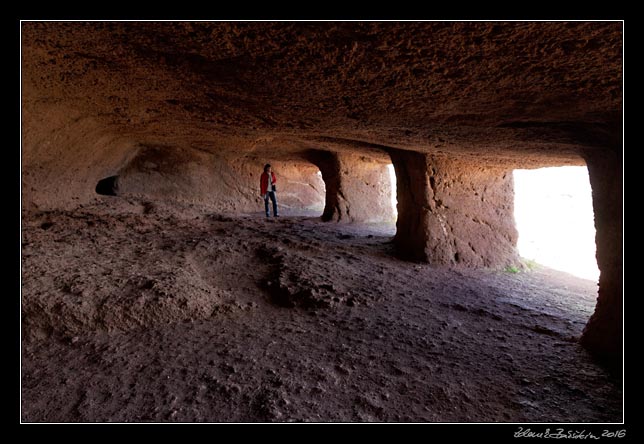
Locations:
column 226, row 183
column 358, row 187
column 454, row 211
column 63, row 155
column 603, row 333
column 186, row 175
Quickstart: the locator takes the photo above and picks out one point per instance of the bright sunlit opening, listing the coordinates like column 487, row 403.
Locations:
column 392, row 180
column 553, row 211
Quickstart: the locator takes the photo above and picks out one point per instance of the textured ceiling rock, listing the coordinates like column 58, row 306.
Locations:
column 522, row 92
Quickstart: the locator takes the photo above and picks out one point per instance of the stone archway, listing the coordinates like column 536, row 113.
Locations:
column 358, row 187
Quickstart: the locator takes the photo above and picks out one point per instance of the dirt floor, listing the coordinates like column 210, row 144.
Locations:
column 141, row 312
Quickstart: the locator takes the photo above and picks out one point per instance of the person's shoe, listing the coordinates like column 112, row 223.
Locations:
column 268, row 215
column 277, row 215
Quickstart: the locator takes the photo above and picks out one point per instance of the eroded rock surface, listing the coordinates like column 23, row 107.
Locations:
column 454, row 211
column 140, row 311
column 515, row 93
column 188, row 113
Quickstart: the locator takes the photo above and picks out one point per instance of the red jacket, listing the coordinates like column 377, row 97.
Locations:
column 263, row 181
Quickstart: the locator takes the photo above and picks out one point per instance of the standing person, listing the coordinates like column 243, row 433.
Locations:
column 268, row 190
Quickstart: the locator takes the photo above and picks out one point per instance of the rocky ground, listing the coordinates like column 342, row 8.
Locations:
column 134, row 311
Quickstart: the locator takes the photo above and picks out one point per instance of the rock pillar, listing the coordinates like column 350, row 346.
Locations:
column 603, row 333
column 454, row 211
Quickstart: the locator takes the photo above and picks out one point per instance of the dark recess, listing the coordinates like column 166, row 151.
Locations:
column 108, row 186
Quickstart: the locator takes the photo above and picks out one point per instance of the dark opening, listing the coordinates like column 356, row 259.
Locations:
column 108, row 186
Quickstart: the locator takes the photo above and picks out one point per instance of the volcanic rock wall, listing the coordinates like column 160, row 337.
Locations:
column 64, row 154
column 454, row 211
column 228, row 184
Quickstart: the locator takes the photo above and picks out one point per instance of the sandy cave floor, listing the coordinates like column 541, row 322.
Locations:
column 136, row 311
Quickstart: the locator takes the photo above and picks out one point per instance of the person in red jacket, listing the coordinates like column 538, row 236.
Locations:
column 267, row 188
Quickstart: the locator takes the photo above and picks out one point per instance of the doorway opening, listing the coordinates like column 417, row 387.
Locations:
column 394, row 199
column 553, row 211
column 301, row 189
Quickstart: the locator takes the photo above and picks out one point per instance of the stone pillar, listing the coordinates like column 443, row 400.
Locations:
column 357, row 187
column 413, row 195
column 603, row 333
column 454, row 211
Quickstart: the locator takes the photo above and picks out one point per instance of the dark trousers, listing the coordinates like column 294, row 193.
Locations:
column 273, row 197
